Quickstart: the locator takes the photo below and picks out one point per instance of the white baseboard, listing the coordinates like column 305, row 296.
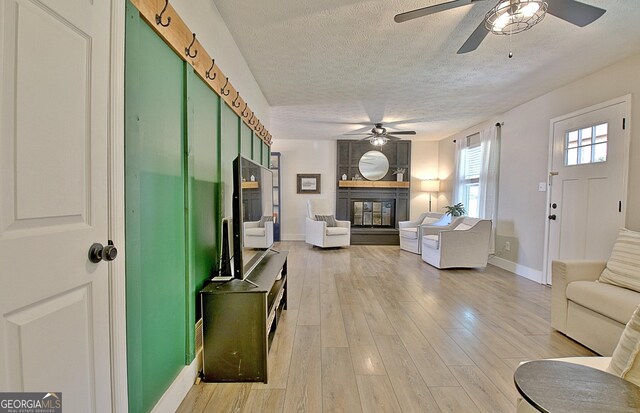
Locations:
column 171, row 399
column 521, row 270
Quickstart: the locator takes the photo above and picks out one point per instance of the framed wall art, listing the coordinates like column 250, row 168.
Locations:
column 308, row 183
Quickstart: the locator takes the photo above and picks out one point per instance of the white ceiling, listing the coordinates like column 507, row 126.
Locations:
column 328, row 67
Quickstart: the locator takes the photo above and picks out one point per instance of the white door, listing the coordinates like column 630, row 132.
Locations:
column 54, row 102
column 588, row 178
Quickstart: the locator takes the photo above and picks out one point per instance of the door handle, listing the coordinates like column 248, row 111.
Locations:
column 552, row 217
column 98, row 252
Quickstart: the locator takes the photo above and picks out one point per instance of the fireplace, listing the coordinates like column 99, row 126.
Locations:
column 373, row 213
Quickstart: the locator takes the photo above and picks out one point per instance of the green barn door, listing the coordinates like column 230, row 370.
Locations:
column 155, row 214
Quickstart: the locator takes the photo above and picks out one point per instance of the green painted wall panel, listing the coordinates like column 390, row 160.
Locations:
column 154, row 220
column 257, row 149
column 203, row 215
column 246, row 140
column 229, row 149
column 265, row 155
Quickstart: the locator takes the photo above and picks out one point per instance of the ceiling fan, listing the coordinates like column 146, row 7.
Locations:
column 512, row 16
column 378, row 135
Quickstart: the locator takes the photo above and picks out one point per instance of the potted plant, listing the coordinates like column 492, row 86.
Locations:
column 456, row 210
column 399, row 173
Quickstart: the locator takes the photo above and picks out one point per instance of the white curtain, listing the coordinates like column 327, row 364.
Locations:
column 488, row 200
column 488, row 181
column 458, row 188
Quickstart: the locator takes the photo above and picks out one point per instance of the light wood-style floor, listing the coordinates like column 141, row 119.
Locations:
column 375, row 329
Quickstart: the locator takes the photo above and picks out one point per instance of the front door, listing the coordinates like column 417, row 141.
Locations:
column 588, row 179
column 54, row 302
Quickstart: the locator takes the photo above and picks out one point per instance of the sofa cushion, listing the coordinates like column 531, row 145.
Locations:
column 255, row 232
column 337, row 231
column 606, row 299
column 623, row 267
column 625, row 361
column 431, row 241
column 410, row 233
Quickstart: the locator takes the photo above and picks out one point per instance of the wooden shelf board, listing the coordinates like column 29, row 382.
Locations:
column 373, row 184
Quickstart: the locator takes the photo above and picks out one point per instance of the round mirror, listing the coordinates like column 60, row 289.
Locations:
column 373, row 165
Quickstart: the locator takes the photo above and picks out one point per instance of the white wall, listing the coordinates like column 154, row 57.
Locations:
column 524, row 158
column 303, row 157
column 204, row 19
column 446, row 171
column 424, row 165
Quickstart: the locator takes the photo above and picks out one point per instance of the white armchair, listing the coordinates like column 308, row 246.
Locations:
column 256, row 236
column 318, row 233
column 411, row 231
column 464, row 244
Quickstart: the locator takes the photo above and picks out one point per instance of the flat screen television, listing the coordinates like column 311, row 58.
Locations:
column 252, row 201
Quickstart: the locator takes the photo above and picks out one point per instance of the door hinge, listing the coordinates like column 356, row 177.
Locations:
column 619, row 206
column 624, row 123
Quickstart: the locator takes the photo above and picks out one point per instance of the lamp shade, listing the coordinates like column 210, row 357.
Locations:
column 430, row 185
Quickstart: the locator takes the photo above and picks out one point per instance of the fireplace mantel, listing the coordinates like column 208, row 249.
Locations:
column 373, row 184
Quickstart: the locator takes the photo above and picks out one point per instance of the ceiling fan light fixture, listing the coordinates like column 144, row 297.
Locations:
column 515, row 16
column 378, row 140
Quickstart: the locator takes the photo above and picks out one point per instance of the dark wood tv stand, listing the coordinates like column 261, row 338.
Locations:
column 240, row 320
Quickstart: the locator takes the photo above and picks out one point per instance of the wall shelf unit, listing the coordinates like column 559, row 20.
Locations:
column 274, row 164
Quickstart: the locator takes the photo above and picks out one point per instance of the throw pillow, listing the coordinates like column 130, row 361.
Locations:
column 429, row 220
column 625, row 362
column 263, row 219
column 329, row 219
column 462, row 227
column 623, row 267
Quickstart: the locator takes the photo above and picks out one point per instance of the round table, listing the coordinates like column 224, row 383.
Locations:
column 557, row 386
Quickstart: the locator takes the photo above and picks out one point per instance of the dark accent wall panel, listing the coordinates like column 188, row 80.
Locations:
column 349, row 154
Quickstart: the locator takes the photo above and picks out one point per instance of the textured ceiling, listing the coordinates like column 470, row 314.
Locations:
column 328, row 67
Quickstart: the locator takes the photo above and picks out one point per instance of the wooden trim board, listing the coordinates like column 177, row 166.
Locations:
column 373, row 184
column 179, row 37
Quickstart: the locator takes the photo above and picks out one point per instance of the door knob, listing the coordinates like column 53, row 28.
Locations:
column 97, row 252
column 552, row 217
column 110, row 252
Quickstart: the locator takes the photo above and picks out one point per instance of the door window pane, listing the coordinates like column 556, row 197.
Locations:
column 586, row 145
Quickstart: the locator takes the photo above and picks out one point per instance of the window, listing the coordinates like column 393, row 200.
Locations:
column 470, row 183
column 586, row 145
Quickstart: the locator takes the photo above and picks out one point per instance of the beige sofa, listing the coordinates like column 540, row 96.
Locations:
column 589, row 312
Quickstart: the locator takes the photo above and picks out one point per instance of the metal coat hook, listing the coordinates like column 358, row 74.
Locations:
column 244, row 111
column 159, row 16
column 235, row 102
column 259, row 127
column 187, row 50
column 223, row 91
column 208, row 73
column 251, row 120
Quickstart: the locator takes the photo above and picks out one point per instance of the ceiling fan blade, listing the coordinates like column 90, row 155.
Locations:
column 475, row 39
column 574, row 11
column 357, row 133
column 425, row 11
column 403, row 132
column 393, row 138
column 366, row 137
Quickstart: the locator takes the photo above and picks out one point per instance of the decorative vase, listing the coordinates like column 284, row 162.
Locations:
column 400, row 177
column 344, row 177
